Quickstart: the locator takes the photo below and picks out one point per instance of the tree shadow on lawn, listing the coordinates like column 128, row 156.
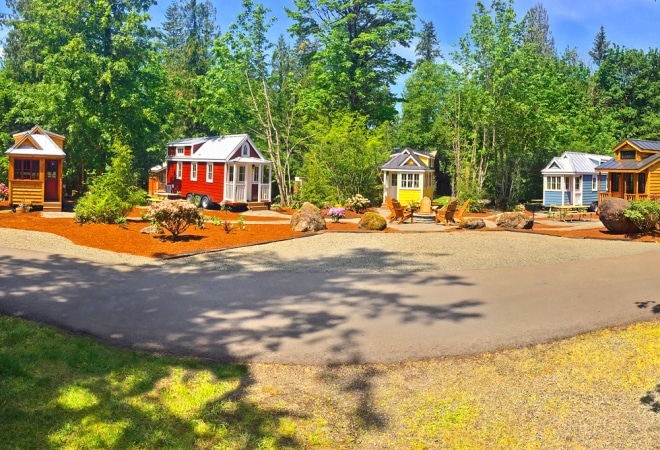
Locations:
column 233, row 315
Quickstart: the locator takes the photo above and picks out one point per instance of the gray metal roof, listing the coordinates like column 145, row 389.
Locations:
column 574, row 162
column 189, row 141
column 646, row 145
column 398, row 161
column 628, row 164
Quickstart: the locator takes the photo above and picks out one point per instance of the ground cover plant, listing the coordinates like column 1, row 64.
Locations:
column 598, row 390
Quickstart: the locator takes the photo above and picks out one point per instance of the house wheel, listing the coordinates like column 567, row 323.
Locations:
column 206, row 202
column 189, row 197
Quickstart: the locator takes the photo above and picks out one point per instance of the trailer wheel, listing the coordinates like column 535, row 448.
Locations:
column 189, row 197
column 206, row 202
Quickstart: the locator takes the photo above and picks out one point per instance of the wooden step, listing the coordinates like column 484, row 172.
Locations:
column 52, row 207
column 257, row 206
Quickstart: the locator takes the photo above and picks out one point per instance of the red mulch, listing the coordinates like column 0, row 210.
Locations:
column 128, row 239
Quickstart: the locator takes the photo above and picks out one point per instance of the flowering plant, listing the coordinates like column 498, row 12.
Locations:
column 336, row 213
column 4, row 192
column 176, row 215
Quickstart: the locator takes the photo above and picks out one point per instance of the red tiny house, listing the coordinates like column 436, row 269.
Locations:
column 35, row 169
column 221, row 169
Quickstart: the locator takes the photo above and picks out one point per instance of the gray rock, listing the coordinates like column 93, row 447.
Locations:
column 473, row 224
column 516, row 220
column 372, row 221
column 308, row 218
column 152, row 229
column 610, row 212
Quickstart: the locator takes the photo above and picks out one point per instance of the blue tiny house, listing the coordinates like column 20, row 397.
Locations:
column 571, row 179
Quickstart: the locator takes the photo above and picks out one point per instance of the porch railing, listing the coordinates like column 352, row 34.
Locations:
column 264, row 192
column 603, row 195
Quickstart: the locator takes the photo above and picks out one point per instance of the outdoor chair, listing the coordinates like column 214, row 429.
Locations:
column 458, row 215
column 400, row 213
column 446, row 216
column 425, row 206
column 390, row 206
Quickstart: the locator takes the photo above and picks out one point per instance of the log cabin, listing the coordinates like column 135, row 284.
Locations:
column 35, row 169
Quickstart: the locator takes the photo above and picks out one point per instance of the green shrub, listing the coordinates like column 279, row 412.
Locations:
column 176, row 215
column 645, row 214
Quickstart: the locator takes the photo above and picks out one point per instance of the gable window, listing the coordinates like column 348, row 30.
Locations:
column 193, row 171
column 627, row 154
column 245, row 150
column 180, row 151
column 553, row 183
column 26, row 169
column 410, row 180
column 209, row 172
column 179, row 170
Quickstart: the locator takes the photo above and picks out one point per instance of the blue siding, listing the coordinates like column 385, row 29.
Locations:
column 567, row 198
column 551, row 197
column 603, row 182
column 588, row 196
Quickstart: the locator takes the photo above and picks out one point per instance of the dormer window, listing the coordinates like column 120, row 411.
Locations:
column 627, row 154
column 245, row 150
column 180, row 151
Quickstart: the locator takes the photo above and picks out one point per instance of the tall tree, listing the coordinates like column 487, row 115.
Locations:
column 428, row 47
column 350, row 44
column 538, row 31
column 601, row 47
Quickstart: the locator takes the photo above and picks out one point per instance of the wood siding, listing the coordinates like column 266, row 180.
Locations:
column 654, row 183
column 186, row 186
column 28, row 191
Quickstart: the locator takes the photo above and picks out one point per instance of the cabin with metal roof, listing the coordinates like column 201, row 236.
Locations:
column 35, row 169
column 634, row 172
column 220, row 169
column 572, row 179
column 408, row 176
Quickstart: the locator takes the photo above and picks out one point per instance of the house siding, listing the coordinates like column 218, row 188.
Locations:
column 552, row 198
column 408, row 195
column 214, row 190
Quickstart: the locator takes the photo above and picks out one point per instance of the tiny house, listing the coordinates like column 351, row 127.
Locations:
column 35, row 169
column 220, row 169
column 408, row 176
column 572, row 179
column 634, row 172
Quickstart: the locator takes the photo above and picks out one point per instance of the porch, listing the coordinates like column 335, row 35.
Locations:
column 626, row 185
column 247, row 182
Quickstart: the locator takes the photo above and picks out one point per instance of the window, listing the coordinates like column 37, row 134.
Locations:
column 180, row 151
column 553, row 183
column 577, row 183
column 209, row 172
column 179, row 170
column 629, row 182
column 627, row 154
column 245, row 151
column 594, row 183
column 241, row 174
column 641, row 183
column 26, row 169
column 394, row 181
column 193, row 171
column 231, row 173
column 615, row 182
column 410, row 180
column 255, row 173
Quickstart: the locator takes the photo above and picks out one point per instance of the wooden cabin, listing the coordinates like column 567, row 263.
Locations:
column 35, row 169
column 634, row 172
column 571, row 179
column 408, row 176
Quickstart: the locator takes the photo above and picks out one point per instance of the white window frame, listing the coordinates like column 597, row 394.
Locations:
column 594, row 183
column 241, row 174
column 179, row 170
column 410, row 180
column 180, row 151
column 209, row 172
column 255, row 174
column 193, row 171
column 553, row 183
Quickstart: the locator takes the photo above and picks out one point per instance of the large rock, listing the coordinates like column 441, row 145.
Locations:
column 516, row 220
column 372, row 221
column 473, row 224
column 308, row 218
column 611, row 214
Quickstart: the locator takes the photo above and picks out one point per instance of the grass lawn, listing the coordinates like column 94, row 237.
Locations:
column 599, row 390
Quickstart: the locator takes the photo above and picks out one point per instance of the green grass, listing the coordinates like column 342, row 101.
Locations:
column 598, row 390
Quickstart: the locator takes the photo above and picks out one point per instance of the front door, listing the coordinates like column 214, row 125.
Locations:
column 577, row 190
column 256, row 176
column 392, row 185
column 52, row 183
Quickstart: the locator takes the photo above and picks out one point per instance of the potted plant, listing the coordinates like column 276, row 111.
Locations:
column 23, row 207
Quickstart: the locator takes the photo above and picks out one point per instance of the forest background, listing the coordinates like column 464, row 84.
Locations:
column 318, row 100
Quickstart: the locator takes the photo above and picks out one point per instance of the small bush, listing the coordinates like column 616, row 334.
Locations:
column 176, row 215
column 645, row 214
column 358, row 203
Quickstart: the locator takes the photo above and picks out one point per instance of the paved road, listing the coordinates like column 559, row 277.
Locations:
column 328, row 317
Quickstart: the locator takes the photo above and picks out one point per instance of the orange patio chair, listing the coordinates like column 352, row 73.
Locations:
column 446, row 215
column 400, row 213
column 458, row 215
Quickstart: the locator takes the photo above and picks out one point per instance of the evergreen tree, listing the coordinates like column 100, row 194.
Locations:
column 427, row 49
column 538, row 31
column 601, row 47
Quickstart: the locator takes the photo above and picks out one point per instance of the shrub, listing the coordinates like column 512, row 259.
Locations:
column 358, row 203
column 645, row 214
column 4, row 192
column 176, row 215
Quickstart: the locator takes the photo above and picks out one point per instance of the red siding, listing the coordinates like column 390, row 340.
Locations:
column 201, row 186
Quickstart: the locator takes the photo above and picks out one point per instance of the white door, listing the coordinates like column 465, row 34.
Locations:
column 577, row 190
column 392, row 185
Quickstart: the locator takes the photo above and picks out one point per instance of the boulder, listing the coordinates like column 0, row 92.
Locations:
column 372, row 221
column 152, row 229
column 473, row 224
column 516, row 220
column 308, row 218
column 611, row 214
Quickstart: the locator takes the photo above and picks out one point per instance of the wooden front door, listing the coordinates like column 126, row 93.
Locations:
column 52, row 181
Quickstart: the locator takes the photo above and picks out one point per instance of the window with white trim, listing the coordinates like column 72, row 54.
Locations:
column 193, row 171
column 255, row 173
column 410, row 180
column 553, row 183
column 179, row 170
column 209, row 172
column 180, row 151
column 594, row 183
column 241, row 174
column 394, row 180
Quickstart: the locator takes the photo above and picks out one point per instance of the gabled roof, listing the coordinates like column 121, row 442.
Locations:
column 408, row 160
column 574, row 162
column 629, row 164
column 36, row 142
column 641, row 144
column 219, row 148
